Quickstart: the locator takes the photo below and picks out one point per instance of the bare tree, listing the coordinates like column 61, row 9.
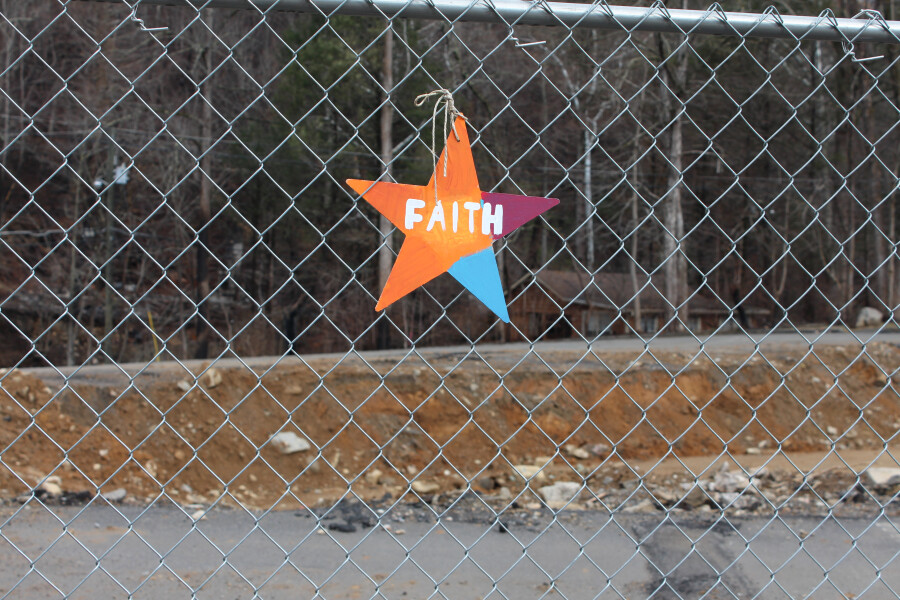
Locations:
column 385, row 252
column 673, row 256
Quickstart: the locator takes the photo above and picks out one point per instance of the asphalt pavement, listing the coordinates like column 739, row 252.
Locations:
column 162, row 552
column 566, row 352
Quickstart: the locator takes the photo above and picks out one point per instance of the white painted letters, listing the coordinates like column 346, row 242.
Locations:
column 495, row 219
column 491, row 216
column 412, row 217
column 472, row 207
column 437, row 216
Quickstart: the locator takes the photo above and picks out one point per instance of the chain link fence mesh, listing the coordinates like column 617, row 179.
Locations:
column 694, row 396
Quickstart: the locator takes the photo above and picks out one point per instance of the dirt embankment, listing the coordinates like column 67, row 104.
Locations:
column 443, row 422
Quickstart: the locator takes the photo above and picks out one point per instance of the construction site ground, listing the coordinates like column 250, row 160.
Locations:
column 456, row 420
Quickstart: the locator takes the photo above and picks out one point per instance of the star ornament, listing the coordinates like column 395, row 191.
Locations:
column 450, row 225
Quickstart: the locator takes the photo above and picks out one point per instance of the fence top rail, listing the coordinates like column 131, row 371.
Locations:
column 869, row 26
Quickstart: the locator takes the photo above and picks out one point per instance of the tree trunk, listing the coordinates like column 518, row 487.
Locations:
column 632, row 264
column 878, row 252
column 7, row 112
column 589, row 139
column 849, row 274
column 71, row 331
column 203, row 287
column 385, row 252
column 892, row 264
column 675, row 267
column 108, row 200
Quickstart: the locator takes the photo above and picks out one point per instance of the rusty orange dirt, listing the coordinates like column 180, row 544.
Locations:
column 447, row 420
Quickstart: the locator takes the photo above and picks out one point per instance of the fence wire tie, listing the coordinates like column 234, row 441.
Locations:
column 772, row 11
column 521, row 44
column 140, row 22
column 851, row 52
column 716, row 9
column 660, row 5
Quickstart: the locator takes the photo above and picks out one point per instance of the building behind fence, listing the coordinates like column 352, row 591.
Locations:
column 171, row 189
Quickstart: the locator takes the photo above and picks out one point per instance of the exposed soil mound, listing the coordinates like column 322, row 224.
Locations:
column 443, row 423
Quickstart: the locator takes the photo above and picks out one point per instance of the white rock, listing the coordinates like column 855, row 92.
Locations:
column 288, row 442
column 52, row 486
column 600, row 450
column 199, row 515
column 576, row 452
column 695, row 498
column 726, row 480
column 883, row 476
column 762, row 473
column 530, row 471
column 117, row 495
column 424, row 487
column 373, row 476
column 666, row 497
column 644, row 505
column 212, row 378
column 183, row 385
column 727, row 498
column 560, row 493
column 831, row 430
column 869, row 317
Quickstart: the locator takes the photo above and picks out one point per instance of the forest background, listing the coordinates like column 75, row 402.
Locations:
column 187, row 183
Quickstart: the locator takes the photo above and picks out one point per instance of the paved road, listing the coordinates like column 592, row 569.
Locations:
column 565, row 352
column 163, row 553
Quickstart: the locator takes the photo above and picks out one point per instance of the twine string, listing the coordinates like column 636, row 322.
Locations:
column 445, row 101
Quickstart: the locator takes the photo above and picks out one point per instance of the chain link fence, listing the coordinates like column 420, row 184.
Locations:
column 694, row 395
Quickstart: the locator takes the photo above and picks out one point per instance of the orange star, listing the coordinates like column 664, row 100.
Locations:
column 433, row 244
column 450, row 225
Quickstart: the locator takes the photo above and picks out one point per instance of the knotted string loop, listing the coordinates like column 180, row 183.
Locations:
column 445, row 100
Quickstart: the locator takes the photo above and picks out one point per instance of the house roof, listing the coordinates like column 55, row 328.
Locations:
column 616, row 291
